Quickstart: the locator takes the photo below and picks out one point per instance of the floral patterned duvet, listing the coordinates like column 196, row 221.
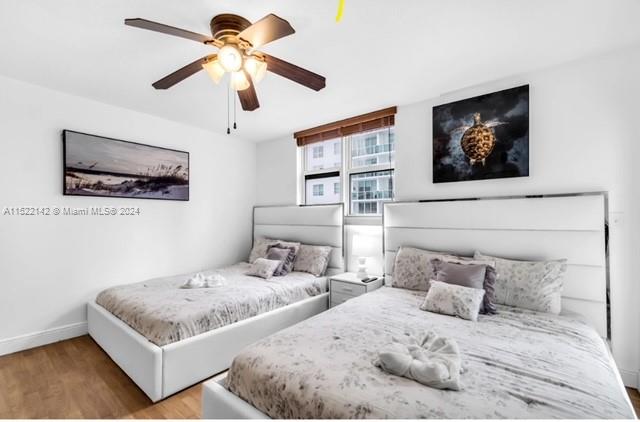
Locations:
column 164, row 313
column 517, row 364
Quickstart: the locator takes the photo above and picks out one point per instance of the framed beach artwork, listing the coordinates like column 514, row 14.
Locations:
column 484, row 137
column 99, row 166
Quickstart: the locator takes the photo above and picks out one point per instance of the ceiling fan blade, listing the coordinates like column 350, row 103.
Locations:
column 248, row 97
column 182, row 73
column 267, row 29
column 295, row 73
column 166, row 29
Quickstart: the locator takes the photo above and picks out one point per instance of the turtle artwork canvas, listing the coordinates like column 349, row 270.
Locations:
column 484, row 137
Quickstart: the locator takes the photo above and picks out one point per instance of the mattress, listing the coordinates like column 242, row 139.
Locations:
column 517, row 364
column 164, row 313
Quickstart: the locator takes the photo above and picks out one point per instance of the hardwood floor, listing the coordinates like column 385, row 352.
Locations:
column 76, row 379
column 634, row 395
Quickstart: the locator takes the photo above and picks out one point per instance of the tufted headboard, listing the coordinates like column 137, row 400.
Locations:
column 312, row 225
column 531, row 228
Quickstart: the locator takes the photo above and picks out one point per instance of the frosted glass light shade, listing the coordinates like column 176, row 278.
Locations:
column 255, row 68
column 239, row 81
column 215, row 70
column 230, row 58
column 364, row 246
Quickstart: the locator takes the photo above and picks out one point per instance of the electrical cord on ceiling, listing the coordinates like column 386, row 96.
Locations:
column 340, row 10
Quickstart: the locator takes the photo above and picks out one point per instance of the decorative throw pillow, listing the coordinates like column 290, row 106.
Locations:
column 535, row 285
column 294, row 247
column 451, row 299
column 279, row 254
column 260, row 248
column 263, row 268
column 412, row 269
column 479, row 274
column 313, row 259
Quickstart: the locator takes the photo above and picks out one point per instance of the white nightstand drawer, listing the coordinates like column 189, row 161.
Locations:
column 349, row 289
column 338, row 298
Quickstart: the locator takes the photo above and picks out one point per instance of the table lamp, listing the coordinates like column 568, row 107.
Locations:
column 363, row 247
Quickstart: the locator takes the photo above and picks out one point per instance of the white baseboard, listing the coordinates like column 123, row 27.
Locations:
column 40, row 338
column 629, row 378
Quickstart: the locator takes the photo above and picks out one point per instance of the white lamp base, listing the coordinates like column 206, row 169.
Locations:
column 362, row 268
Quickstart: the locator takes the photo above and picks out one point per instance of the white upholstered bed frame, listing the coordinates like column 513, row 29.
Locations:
column 163, row 371
column 541, row 227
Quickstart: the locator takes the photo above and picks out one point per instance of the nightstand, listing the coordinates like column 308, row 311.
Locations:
column 345, row 286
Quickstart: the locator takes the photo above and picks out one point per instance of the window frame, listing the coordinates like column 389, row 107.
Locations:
column 345, row 170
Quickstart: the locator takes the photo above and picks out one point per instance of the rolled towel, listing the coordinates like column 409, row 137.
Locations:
column 215, row 280
column 429, row 359
column 199, row 281
column 195, row 282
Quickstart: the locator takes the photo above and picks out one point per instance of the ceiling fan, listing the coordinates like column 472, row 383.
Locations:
column 237, row 41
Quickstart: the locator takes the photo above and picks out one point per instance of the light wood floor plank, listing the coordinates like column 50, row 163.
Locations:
column 76, row 379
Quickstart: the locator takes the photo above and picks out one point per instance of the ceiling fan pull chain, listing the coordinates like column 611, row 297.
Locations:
column 228, row 106
column 235, row 126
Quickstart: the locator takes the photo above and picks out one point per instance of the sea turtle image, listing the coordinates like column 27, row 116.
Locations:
column 478, row 141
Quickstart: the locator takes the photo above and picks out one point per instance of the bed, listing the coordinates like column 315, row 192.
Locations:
column 518, row 363
column 166, row 338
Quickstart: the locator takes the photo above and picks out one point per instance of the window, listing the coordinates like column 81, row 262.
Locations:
column 373, row 148
column 316, row 192
column 367, row 171
column 353, row 159
column 369, row 190
column 322, row 166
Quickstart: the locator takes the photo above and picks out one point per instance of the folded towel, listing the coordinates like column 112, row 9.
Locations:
column 428, row 359
column 199, row 281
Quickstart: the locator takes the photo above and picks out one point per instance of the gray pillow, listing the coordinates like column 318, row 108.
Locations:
column 294, row 247
column 478, row 274
column 471, row 275
column 281, row 254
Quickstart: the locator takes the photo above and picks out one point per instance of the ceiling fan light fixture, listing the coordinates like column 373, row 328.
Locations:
column 215, row 70
column 255, row 68
column 239, row 81
column 230, row 58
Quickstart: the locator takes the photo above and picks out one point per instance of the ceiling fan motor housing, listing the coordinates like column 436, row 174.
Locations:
column 228, row 25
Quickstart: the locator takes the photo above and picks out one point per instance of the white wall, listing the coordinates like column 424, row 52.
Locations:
column 276, row 165
column 50, row 266
column 584, row 136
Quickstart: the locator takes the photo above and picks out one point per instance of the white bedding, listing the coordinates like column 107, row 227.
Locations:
column 164, row 313
column 517, row 364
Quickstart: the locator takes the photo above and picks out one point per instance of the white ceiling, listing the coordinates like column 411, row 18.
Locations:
column 383, row 53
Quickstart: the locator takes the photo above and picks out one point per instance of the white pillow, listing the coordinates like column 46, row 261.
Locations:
column 260, row 248
column 451, row 299
column 312, row 259
column 535, row 285
column 264, row 268
column 413, row 269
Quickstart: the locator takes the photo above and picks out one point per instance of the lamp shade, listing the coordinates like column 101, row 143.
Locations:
column 364, row 245
column 214, row 69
